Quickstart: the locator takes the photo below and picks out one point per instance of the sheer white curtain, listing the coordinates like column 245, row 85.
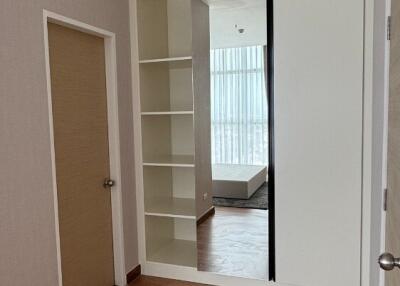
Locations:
column 239, row 106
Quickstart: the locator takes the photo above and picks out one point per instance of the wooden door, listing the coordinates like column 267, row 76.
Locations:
column 393, row 155
column 78, row 85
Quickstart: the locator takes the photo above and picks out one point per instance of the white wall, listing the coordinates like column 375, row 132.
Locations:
column 252, row 18
column 202, row 112
column 319, row 47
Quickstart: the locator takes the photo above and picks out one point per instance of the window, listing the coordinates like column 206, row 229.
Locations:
column 239, row 106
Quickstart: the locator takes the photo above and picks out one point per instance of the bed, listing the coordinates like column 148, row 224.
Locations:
column 237, row 181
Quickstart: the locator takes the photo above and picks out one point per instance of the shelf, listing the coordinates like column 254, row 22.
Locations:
column 166, row 86
column 175, row 59
column 171, row 207
column 176, row 252
column 169, row 33
column 167, row 113
column 169, row 161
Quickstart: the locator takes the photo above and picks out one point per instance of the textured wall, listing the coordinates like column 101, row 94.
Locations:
column 27, row 235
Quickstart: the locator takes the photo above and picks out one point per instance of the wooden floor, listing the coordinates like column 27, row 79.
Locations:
column 234, row 242
column 154, row 281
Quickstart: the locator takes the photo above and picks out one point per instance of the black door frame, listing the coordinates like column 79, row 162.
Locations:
column 271, row 140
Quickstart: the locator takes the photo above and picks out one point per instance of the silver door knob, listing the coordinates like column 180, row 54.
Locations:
column 108, row 183
column 388, row 262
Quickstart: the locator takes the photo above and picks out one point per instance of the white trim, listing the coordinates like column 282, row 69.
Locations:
column 169, row 165
column 52, row 150
column 167, row 113
column 385, row 141
column 113, row 134
column 137, row 129
column 165, row 60
column 169, row 215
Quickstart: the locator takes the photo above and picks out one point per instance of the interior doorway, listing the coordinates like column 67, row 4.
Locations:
column 234, row 241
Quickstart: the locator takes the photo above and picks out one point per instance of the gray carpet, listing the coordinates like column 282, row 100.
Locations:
column 259, row 200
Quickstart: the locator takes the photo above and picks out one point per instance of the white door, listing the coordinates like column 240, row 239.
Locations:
column 318, row 148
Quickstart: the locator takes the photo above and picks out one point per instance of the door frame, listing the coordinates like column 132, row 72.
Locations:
column 386, row 86
column 113, row 137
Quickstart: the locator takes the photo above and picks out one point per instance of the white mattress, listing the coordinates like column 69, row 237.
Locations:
column 237, row 181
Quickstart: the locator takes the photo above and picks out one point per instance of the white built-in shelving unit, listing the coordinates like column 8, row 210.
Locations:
column 168, row 68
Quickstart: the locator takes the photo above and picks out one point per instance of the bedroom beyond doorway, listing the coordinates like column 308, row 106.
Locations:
column 239, row 143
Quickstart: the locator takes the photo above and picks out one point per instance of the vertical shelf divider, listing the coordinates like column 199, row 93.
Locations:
column 171, row 70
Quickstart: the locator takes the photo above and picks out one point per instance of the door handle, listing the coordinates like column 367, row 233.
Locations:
column 108, row 183
column 388, row 262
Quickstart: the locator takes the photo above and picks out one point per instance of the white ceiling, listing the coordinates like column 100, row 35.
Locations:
column 228, row 16
column 228, row 4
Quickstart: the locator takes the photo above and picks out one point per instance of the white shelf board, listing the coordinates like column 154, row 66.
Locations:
column 167, row 112
column 177, row 252
column 169, row 161
column 174, row 59
column 171, row 207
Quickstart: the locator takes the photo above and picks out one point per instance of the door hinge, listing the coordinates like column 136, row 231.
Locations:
column 389, row 28
column 385, row 199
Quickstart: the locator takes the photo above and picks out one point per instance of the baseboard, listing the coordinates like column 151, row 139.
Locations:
column 206, row 215
column 133, row 274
